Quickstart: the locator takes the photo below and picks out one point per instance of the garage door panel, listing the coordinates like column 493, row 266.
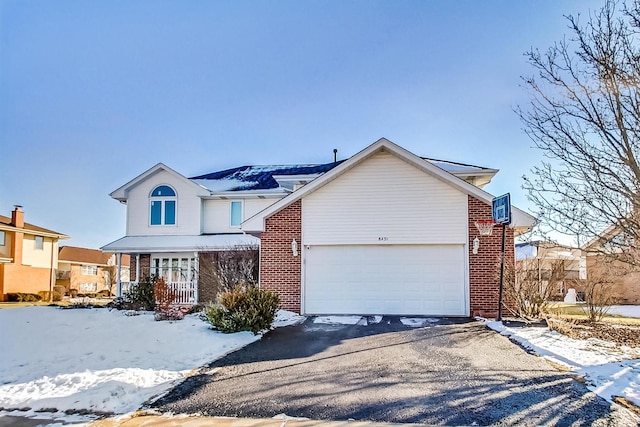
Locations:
column 386, row 279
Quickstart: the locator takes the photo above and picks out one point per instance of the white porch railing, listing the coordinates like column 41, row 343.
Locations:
column 184, row 292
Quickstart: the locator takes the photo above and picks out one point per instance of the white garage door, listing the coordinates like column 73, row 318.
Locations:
column 389, row 279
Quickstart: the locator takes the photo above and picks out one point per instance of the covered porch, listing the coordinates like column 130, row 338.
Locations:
column 174, row 258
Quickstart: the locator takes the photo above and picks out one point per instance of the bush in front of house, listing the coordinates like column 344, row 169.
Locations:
column 141, row 296
column 46, row 296
column 23, row 297
column 138, row 297
column 165, row 297
column 244, row 308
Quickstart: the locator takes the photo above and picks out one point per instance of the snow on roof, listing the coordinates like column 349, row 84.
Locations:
column 256, row 177
column 261, row 177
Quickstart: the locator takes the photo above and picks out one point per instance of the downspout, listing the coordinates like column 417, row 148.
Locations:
column 118, row 278
column 138, row 267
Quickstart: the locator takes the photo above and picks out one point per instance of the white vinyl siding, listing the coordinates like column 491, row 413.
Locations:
column 217, row 213
column 386, row 279
column 188, row 207
column 385, row 200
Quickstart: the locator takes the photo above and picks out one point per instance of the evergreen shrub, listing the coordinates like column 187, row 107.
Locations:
column 243, row 308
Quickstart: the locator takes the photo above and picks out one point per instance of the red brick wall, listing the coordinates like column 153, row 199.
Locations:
column 484, row 267
column 280, row 271
column 145, row 266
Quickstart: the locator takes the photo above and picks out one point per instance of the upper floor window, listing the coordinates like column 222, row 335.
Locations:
column 39, row 242
column 236, row 214
column 89, row 270
column 2, row 237
column 163, row 206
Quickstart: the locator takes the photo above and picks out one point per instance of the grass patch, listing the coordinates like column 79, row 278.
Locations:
column 575, row 312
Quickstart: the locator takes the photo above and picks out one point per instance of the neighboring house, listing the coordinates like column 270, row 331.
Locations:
column 384, row 232
column 548, row 262
column 614, row 257
column 28, row 256
column 89, row 270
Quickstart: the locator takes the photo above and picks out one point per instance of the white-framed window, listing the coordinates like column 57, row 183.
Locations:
column 89, row 270
column 174, row 268
column 39, row 242
column 162, row 206
column 236, row 213
column 88, row 287
column 2, row 238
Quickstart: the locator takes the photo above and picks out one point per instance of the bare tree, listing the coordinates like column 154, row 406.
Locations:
column 584, row 115
column 224, row 270
column 530, row 284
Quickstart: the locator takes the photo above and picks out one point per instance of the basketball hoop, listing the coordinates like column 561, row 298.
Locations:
column 485, row 226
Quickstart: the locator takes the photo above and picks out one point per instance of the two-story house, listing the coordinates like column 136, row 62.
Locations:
column 88, row 271
column 28, row 256
column 384, row 226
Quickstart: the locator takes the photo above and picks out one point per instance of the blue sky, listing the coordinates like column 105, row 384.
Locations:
column 94, row 93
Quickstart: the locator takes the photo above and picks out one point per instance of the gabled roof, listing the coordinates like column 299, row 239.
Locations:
column 5, row 224
column 121, row 193
column 74, row 254
column 268, row 177
column 257, row 222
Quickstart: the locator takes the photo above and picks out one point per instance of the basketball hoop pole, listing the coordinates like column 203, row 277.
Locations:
column 501, row 213
column 504, row 233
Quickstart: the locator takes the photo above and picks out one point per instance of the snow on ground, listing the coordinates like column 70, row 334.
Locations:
column 99, row 360
column 609, row 370
column 625, row 310
column 338, row 320
column 417, row 322
column 287, row 318
column 348, row 320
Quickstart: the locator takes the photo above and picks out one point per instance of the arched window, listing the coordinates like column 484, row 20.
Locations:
column 163, row 206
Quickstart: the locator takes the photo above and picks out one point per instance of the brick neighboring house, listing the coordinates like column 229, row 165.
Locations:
column 403, row 223
column 28, row 256
column 89, row 270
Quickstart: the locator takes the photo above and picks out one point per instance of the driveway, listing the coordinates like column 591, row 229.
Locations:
column 451, row 372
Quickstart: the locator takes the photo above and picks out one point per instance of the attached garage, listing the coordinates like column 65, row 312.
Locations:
column 385, row 232
column 385, row 279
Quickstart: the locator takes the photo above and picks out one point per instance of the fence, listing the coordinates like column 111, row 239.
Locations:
column 185, row 292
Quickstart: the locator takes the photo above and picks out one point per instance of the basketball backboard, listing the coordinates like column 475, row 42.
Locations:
column 502, row 209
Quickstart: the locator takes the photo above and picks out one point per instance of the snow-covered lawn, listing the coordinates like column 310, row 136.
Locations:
column 625, row 310
column 609, row 370
column 98, row 360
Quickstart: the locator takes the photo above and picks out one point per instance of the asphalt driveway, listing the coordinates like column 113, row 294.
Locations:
column 451, row 372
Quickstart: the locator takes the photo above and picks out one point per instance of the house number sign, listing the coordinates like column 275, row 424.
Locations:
column 383, row 239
